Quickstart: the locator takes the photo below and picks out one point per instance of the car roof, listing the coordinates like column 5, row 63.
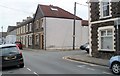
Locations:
column 7, row 45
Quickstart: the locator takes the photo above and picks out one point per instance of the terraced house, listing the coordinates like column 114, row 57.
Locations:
column 53, row 27
column 25, row 32
column 104, row 27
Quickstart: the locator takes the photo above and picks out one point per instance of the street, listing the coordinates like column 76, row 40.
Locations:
column 53, row 62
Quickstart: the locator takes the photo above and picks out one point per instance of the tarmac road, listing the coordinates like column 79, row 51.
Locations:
column 52, row 62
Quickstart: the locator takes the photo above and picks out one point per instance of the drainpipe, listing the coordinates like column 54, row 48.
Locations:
column 45, row 33
column 117, row 23
column 89, row 23
column 33, row 40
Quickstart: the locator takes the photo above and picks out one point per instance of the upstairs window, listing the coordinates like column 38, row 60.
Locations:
column 37, row 24
column 30, row 27
column 105, row 8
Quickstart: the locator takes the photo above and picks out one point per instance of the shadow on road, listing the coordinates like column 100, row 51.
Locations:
column 10, row 68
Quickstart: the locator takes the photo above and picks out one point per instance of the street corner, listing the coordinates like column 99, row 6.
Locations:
column 72, row 58
column 86, row 60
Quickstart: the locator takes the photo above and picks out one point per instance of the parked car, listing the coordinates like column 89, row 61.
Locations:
column 114, row 64
column 19, row 44
column 85, row 47
column 10, row 55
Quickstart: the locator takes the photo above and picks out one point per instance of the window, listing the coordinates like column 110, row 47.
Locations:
column 8, row 50
column 41, row 22
column 19, row 30
column 54, row 9
column 105, row 8
column 30, row 27
column 106, row 39
column 37, row 24
column 23, row 40
column 27, row 28
column 24, row 29
column 30, row 40
column 37, row 39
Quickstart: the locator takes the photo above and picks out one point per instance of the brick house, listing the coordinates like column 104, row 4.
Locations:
column 53, row 28
column 104, row 21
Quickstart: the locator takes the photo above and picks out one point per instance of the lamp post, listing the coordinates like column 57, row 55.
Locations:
column 75, row 23
column 2, row 34
column 74, row 26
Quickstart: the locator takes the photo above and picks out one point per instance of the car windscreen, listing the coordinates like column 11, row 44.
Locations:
column 8, row 50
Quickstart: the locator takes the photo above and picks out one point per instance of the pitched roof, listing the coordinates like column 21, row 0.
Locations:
column 11, row 28
column 57, row 12
column 84, row 23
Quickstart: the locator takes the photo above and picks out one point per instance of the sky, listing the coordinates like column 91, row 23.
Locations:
column 12, row 11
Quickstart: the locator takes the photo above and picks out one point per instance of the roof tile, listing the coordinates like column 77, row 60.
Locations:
column 57, row 12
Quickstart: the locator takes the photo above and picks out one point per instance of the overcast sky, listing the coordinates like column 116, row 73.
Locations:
column 12, row 11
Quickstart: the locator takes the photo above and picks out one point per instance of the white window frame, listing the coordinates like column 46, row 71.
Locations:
column 27, row 27
column 101, row 9
column 99, row 37
column 24, row 29
column 30, row 27
column 37, row 39
column 37, row 24
column 30, row 39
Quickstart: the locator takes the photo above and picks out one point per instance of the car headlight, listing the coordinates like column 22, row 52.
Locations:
column 6, row 58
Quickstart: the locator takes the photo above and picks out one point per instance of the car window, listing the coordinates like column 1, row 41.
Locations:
column 86, row 44
column 9, row 50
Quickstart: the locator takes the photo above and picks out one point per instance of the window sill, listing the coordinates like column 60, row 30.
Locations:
column 105, row 17
column 106, row 50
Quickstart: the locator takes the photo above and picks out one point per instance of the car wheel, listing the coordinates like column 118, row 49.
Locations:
column 87, row 50
column 21, row 65
column 116, row 68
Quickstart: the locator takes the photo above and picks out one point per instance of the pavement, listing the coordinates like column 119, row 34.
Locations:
column 86, row 58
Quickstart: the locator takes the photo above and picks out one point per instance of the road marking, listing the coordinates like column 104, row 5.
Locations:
column 35, row 73
column 29, row 69
column 91, row 69
column 81, row 66
column 106, row 73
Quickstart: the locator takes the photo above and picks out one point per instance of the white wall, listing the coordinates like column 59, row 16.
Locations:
column 84, row 34
column 59, row 33
column 12, row 32
column 10, row 39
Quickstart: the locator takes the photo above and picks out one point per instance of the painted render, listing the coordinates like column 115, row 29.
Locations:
column 58, row 33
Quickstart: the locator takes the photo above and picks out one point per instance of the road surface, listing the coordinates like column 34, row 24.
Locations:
column 53, row 62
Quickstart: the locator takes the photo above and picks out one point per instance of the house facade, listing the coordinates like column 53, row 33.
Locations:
column 24, row 32
column 11, row 35
column 104, row 25
column 53, row 28
column 3, row 37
